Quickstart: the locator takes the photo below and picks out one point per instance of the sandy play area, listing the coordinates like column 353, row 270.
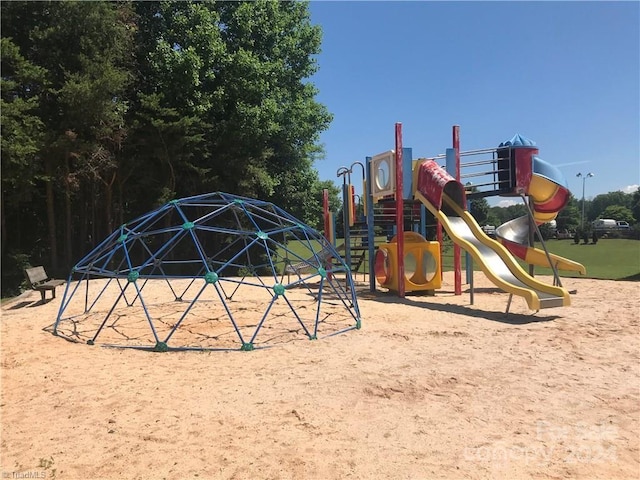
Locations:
column 429, row 387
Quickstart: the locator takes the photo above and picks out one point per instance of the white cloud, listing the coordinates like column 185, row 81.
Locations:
column 507, row 203
column 630, row 188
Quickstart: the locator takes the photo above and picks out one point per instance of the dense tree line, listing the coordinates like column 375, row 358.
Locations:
column 110, row 109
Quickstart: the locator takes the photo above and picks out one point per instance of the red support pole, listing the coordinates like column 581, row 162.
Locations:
column 327, row 219
column 399, row 210
column 325, row 214
column 456, row 248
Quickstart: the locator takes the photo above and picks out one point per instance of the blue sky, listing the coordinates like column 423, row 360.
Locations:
column 564, row 74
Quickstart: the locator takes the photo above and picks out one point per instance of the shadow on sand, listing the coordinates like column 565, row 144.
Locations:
column 28, row 304
column 501, row 317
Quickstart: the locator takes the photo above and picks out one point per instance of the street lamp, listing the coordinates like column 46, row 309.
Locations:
column 584, row 179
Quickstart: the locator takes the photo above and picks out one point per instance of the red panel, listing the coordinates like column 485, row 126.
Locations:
column 557, row 203
column 380, row 268
column 518, row 249
column 325, row 213
column 524, row 167
column 431, row 182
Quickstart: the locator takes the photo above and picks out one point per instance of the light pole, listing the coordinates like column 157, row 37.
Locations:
column 584, row 179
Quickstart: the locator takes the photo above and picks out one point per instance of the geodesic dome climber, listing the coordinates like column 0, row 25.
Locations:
column 213, row 271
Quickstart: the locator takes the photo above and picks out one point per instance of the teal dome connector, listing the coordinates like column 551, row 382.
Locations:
column 211, row 277
column 161, row 347
column 279, row 289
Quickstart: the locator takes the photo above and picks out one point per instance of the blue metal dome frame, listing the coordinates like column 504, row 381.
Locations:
column 215, row 243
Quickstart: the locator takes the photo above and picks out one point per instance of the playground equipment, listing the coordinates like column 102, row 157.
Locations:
column 440, row 193
column 421, row 264
column 424, row 259
column 545, row 186
column 514, row 170
column 353, row 254
column 198, row 253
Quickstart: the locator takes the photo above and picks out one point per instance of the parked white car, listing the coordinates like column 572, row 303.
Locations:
column 605, row 224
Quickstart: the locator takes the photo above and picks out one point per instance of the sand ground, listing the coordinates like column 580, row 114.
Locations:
column 429, row 387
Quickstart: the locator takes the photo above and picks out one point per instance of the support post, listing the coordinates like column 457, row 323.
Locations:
column 532, row 231
column 346, row 197
column 345, row 173
column 326, row 216
column 423, row 222
column 370, row 230
column 400, row 210
column 553, row 266
column 467, row 258
column 509, row 303
column 456, row 248
column 440, row 239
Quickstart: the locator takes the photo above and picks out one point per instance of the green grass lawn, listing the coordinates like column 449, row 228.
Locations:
column 611, row 259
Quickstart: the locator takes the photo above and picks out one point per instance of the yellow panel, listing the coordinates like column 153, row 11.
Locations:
column 542, row 189
column 418, row 280
column 544, row 217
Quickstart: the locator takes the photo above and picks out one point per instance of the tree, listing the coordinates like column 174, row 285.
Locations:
column 618, row 213
column 600, row 202
column 270, row 119
column 22, row 131
column 111, row 108
column 498, row 215
column 479, row 207
column 569, row 217
column 229, row 78
column 80, row 49
column 546, row 231
column 179, row 53
column 635, row 205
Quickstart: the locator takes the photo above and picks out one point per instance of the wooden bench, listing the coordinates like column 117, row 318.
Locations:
column 40, row 281
column 308, row 265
